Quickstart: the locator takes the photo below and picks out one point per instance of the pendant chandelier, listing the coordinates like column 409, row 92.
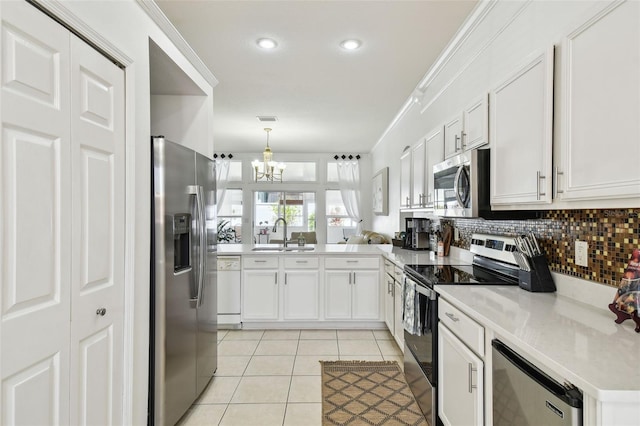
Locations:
column 268, row 170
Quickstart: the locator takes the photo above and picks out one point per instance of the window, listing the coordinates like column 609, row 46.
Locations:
column 235, row 171
column 298, row 209
column 339, row 225
column 230, row 217
column 299, row 172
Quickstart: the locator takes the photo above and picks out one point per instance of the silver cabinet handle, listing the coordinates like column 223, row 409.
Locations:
column 352, row 261
column 408, row 202
column 101, row 311
column 354, row 277
column 462, row 138
column 349, row 277
column 471, row 385
column 556, row 183
column 259, row 261
column 538, row 177
column 276, row 277
column 301, row 261
column 457, row 138
column 285, row 278
column 453, row 317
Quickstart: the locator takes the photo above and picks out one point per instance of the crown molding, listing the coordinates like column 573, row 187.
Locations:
column 157, row 15
column 471, row 23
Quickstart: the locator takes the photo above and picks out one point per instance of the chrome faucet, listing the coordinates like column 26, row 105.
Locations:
column 275, row 227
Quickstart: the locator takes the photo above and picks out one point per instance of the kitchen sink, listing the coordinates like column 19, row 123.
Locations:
column 280, row 248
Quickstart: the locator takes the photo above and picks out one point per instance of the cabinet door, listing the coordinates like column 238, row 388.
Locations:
column 399, row 326
column 405, row 179
column 338, row 294
column 418, row 160
column 521, row 135
column 389, row 317
column 461, row 386
column 600, row 106
column 452, row 131
column 260, row 294
column 301, row 294
column 435, row 154
column 366, row 295
column 476, row 124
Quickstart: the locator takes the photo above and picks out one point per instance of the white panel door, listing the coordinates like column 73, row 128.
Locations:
column 97, row 149
column 35, row 218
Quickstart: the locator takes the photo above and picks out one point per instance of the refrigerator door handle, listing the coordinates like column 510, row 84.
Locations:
column 198, row 270
column 203, row 244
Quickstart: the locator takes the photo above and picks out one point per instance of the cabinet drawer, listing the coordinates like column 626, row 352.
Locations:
column 260, row 262
column 469, row 331
column 299, row 262
column 352, row 263
column 389, row 267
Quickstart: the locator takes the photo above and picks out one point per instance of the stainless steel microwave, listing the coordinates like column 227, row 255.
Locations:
column 462, row 188
column 461, row 185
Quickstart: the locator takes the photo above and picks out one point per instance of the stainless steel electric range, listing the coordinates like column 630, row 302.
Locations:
column 493, row 264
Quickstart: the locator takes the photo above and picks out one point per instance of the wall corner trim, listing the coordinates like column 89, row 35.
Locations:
column 158, row 16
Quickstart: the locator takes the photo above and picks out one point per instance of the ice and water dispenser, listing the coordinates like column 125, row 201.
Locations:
column 181, row 242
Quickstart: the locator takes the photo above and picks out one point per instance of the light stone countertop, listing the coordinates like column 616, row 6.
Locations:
column 577, row 342
column 397, row 255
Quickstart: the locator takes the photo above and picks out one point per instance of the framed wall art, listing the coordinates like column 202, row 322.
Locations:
column 380, row 186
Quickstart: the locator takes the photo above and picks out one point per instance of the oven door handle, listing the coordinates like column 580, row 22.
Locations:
column 423, row 290
column 456, row 189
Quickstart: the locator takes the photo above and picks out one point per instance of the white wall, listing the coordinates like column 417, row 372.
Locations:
column 126, row 27
column 495, row 40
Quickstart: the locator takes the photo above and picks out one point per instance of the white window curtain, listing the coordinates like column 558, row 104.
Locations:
column 349, row 183
column 222, row 175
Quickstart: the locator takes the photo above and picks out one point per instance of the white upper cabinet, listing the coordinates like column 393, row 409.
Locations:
column 475, row 124
column 452, row 133
column 418, row 161
column 405, row 179
column 521, row 135
column 599, row 103
column 435, row 154
column 467, row 130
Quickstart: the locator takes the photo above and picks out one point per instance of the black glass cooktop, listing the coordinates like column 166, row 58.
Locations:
column 457, row 274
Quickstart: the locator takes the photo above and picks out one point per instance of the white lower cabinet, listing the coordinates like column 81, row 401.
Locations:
column 260, row 295
column 389, row 305
column 301, row 294
column 460, row 388
column 351, row 292
column 398, row 302
column 460, row 367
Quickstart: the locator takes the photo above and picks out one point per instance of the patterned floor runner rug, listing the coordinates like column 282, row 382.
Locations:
column 367, row 393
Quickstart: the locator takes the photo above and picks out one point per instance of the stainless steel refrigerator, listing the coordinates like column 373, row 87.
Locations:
column 183, row 351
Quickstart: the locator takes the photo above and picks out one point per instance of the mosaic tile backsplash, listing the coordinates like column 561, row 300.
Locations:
column 611, row 234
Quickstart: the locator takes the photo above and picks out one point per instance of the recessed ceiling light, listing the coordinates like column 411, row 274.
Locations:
column 266, row 43
column 351, row 44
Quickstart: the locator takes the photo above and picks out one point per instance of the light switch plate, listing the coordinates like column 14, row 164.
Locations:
column 581, row 253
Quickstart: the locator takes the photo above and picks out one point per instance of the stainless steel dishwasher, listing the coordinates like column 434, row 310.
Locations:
column 524, row 395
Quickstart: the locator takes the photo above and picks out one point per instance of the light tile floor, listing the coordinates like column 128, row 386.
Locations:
column 272, row 377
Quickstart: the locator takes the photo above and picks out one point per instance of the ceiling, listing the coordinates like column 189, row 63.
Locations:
column 326, row 99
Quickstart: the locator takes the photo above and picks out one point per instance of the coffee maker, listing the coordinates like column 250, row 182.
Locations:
column 417, row 231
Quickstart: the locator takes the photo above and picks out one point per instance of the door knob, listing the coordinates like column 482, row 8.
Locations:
column 101, row 311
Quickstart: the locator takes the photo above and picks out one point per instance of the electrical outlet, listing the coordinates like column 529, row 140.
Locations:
column 456, row 234
column 581, row 253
